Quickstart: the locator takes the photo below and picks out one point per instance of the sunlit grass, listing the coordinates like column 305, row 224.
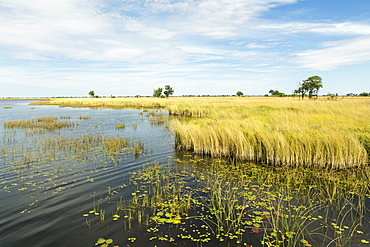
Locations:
column 278, row 131
column 42, row 123
column 121, row 126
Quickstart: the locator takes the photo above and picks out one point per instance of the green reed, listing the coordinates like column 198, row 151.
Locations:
column 283, row 207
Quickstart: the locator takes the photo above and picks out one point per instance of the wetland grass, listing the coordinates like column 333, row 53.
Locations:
column 236, row 204
column 120, row 126
column 40, row 123
column 278, row 131
column 288, row 132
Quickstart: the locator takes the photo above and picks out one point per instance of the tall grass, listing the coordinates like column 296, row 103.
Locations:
column 278, row 131
column 286, row 132
column 43, row 123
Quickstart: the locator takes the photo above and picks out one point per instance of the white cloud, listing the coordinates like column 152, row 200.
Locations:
column 345, row 52
column 217, row 19
column 344, row 28
column 258, row 46
column 66, row 29
column 89, row 30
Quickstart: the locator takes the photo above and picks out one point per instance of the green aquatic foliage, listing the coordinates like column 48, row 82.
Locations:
column 283, row 207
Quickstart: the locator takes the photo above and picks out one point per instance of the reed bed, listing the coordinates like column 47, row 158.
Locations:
column 43, row 123
column 249, row 204
column 287, row 132
column 277, row 131
column 116, row 103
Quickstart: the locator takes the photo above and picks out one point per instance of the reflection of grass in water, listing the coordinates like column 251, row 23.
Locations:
column 281, row 207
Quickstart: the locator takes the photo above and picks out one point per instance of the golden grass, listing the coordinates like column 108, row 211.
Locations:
column 283, row 131
column 106, row 102
column 41, row 123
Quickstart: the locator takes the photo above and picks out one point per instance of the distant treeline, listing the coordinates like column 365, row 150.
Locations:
column 275, row 94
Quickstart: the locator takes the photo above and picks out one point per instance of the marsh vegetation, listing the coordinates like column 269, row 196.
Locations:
column 277, row 131
column 248, row 171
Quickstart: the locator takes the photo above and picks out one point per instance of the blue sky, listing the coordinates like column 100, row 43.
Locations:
column 69, row 47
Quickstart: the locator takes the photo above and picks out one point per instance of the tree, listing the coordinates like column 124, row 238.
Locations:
column 364, row 94
column 239, row 93
column 92, row 94
column 157, row 92
column 168, row 90
column 311, row 85
column 300, row 91
column 276, row 93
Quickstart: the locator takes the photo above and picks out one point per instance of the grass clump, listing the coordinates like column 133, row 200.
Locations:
column 40, row 123
column 120, row 126
column 84, row 117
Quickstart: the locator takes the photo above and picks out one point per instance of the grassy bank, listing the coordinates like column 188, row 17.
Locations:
column 282, row 131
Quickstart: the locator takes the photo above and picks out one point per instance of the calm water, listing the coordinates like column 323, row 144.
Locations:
column 42, row 204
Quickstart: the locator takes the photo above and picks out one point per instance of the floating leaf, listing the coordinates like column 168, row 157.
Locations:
column 101, row 241
column 168, row 220
column 304, row 241
column 155, row 218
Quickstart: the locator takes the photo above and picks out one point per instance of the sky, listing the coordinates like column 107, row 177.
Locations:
column 199, row 47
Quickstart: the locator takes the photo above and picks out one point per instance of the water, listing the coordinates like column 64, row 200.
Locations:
column 43, row 204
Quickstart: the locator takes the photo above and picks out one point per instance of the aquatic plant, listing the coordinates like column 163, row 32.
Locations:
column 120, row 126
column 233, row 203
column 278, row 131
column 39, row 124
